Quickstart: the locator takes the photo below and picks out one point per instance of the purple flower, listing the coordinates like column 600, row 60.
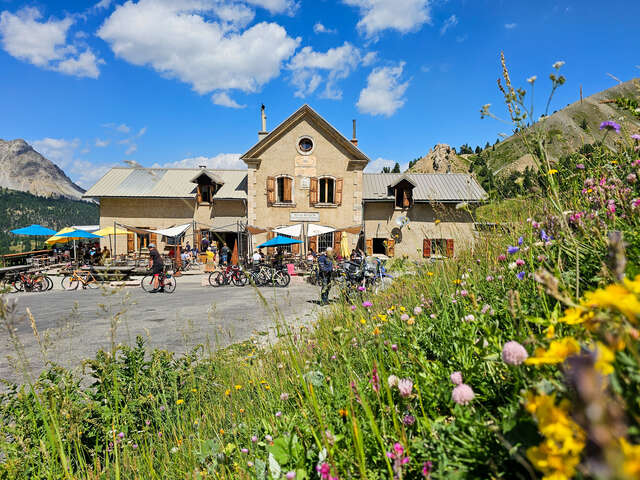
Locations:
column 393, row 381
column 278, row 414
column 284, row 396
column 290, row 475
column 394, row 347
column 462, row 394
column 580, row 166
column 489, row 278
column 268, row 438
column 513, row 353
column 610, row 125
column 367, row 304
column 361, row 288
column 417, row 310
column 254, row 439
column 404, row 317
column 519, row 262
column 408, row 420
column 502, row 257
column 635, row 136
column 244, row 450
column 520, row 240
column 375, row 380
column 464, row 293
column 456, row 378
column 426, row 469
column 511, row 250
column 544, row 237
column 405, row 386
column 521, row 275
column 121, row 435
column 353, row 308
column 134, row 446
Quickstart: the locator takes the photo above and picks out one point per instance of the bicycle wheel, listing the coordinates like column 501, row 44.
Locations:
column 215, row 279
column 49, row 282
column 281, row 279
column 91, row 281
column 239, row 279
column 169, row 284
column 147, row 283
column 69, row 282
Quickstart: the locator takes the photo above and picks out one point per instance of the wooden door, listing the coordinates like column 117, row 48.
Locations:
column 130, row 244
column 391, row 247
column 426, row 248
column 369, row 244
column 337, row 237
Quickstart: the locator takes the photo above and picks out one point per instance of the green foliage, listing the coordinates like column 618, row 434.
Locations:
column 20, row 209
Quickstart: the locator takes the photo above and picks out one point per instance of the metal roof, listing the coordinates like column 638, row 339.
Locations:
column 434, row 187
column 165, row 183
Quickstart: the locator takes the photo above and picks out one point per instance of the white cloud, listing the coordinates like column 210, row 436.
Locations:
column 379, row 163
column 462, row 38
column 123, row 128
column 310, row 68
column 425, row 68
column 102, row 143
column 401, row 15
column 132, row 149
column 44, row 43
column 178, row 40
column 320, row 28
column 222, row 161
column 142, row 131
column 369, row 59
column 384, row 94
column 450, row 22
column 58, row 150
column 103, row 4
column 510, row 26
column 223, row 99
column 276, row 6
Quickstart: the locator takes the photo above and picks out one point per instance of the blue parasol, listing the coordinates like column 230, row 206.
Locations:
column 278, row 241
column 34, row 231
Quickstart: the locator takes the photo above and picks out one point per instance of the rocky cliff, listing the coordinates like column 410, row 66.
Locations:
column 24, row 169
column 441, row 159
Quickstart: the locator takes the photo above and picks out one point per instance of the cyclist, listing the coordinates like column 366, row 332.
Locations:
column 325, row 262
column 224, row 254
column 157, row 268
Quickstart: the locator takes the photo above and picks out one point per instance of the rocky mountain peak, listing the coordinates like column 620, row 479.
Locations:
column 442, row 158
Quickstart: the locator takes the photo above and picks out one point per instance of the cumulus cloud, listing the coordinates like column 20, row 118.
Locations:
column 102, row 143
column 384, row 92
column 450, row 22
column 376, row 166
column 223, row 99
column 133, row 148
column 222, row 161
column 58, row 150
column 320, row 28
column 25, row 36
column 142, row 131
column 180, row 40
column 310, row 69
column 401, row 15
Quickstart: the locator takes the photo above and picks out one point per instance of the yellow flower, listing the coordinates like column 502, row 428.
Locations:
column 194, row 390
column 604, row 358
column 267, row 387
column 615, row 297
column 590, row 190
column 633, row 285
column 430, row 274
column 362, row 320
column 242, row 410
column 437, row 222
column 558, row 352
column 343, row 412
column 227, row 392
column 553, row 171
column 411, row 321
column 402, row 309
column 631, row 463
column 376, row 331
column 179, row 401
column 614, row 162
column 383, row 318
column 221, row 431
column 574, row 316
column 551, row 331
column 238, row 387
column 457, row 281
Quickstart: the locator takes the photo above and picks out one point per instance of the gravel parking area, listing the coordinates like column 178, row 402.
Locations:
column 74, row 325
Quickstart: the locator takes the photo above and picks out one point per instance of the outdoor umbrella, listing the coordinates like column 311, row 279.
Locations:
column 57, row 238
column 76, row 235
column 103, row 232
column 279, row 241
column 34, row 231
column 344, row 245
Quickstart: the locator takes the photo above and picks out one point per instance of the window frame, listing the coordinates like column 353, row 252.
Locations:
column 438, row 252
column 325, row 190
column 322, row 243
column 278, row 198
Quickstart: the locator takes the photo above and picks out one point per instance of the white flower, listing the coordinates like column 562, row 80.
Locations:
column 512, row 265
column 469, row 318
column 393, row 381
column 558, row 64
column 532, row 79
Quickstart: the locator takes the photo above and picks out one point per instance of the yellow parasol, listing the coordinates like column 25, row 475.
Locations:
column 103, row 232
column 57, row 239
column 344, row 245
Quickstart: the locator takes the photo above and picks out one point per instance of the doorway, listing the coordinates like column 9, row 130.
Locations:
column 379, row 246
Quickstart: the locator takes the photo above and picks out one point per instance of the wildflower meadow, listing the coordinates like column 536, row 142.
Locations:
column 519, row 359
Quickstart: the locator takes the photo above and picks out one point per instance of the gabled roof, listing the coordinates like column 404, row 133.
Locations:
column 403, row 178
column 304, row 111
column 165, row 183
column 207, row 173
column 429, row 187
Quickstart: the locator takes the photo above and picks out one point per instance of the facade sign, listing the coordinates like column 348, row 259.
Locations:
column 304, row 216
column 304, row 183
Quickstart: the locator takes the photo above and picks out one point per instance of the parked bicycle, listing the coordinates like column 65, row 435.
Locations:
column 79, row 277
column 166, row 281
column 263, row 275
column 232, row 274
column 34, row 281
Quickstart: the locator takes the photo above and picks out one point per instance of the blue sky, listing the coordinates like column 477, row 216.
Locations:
column 180, row 82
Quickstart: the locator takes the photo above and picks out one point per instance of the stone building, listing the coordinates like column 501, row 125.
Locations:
column 302, row 178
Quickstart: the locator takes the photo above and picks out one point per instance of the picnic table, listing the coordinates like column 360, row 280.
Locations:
column 15, row 269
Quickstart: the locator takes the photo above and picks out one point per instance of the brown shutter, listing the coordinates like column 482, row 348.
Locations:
column 369, row 243
column 391, row 247
column 295, row 248
column 153, row 238
column 199, row 194
column 313, row 190
column 130, row 245
column 287, row 189
column 271, row 191
column 198, row 239
column 270, row 235
column 410, row 197
column 426, row 248
column 405, row 198
column 337, row 236
column 449, row 247
column 338, row 195
column 313, row 244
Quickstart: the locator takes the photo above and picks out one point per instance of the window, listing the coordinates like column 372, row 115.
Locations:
column 438, row 247
column 325, row 241
column 379, row 246
column 284, row 189
column 207, row 191
column 326, row 190
column 404, row 197
column 305, row 144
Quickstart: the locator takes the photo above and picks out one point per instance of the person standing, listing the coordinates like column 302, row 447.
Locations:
column 224, row 254
column 204, row 244
column 325, row 264
column 157, row 268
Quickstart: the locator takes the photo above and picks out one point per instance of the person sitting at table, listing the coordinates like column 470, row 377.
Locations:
column 105, row 254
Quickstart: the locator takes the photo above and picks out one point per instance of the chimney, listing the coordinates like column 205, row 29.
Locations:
column 354, row 140
column 202, row 166
column 263, row 133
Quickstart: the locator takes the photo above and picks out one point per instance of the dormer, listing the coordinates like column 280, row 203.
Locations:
column 208, row 184
column 402, row 190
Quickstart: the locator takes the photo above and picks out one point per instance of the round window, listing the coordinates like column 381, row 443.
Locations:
column 305, row 145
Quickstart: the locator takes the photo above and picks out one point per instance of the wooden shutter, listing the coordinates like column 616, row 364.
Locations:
column 198, row 239
column 270, row 250
column 313, row 244
column 295, row 248
column 337, row 237
column 130, row 244
column 449, row 247
column 391, row 247
column 338, row 193
column 271, row 191
column 199, row 194
column 426, row 248
column 369, row 243
column 313, row 190
column 287, row 189
column 405, row 198
column 153, row 238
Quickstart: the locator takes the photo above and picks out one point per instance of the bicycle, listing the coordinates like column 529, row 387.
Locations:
column 165, row 280
column 79, row 277
column 31, row 282
column 231, row 274
column 265, row 275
